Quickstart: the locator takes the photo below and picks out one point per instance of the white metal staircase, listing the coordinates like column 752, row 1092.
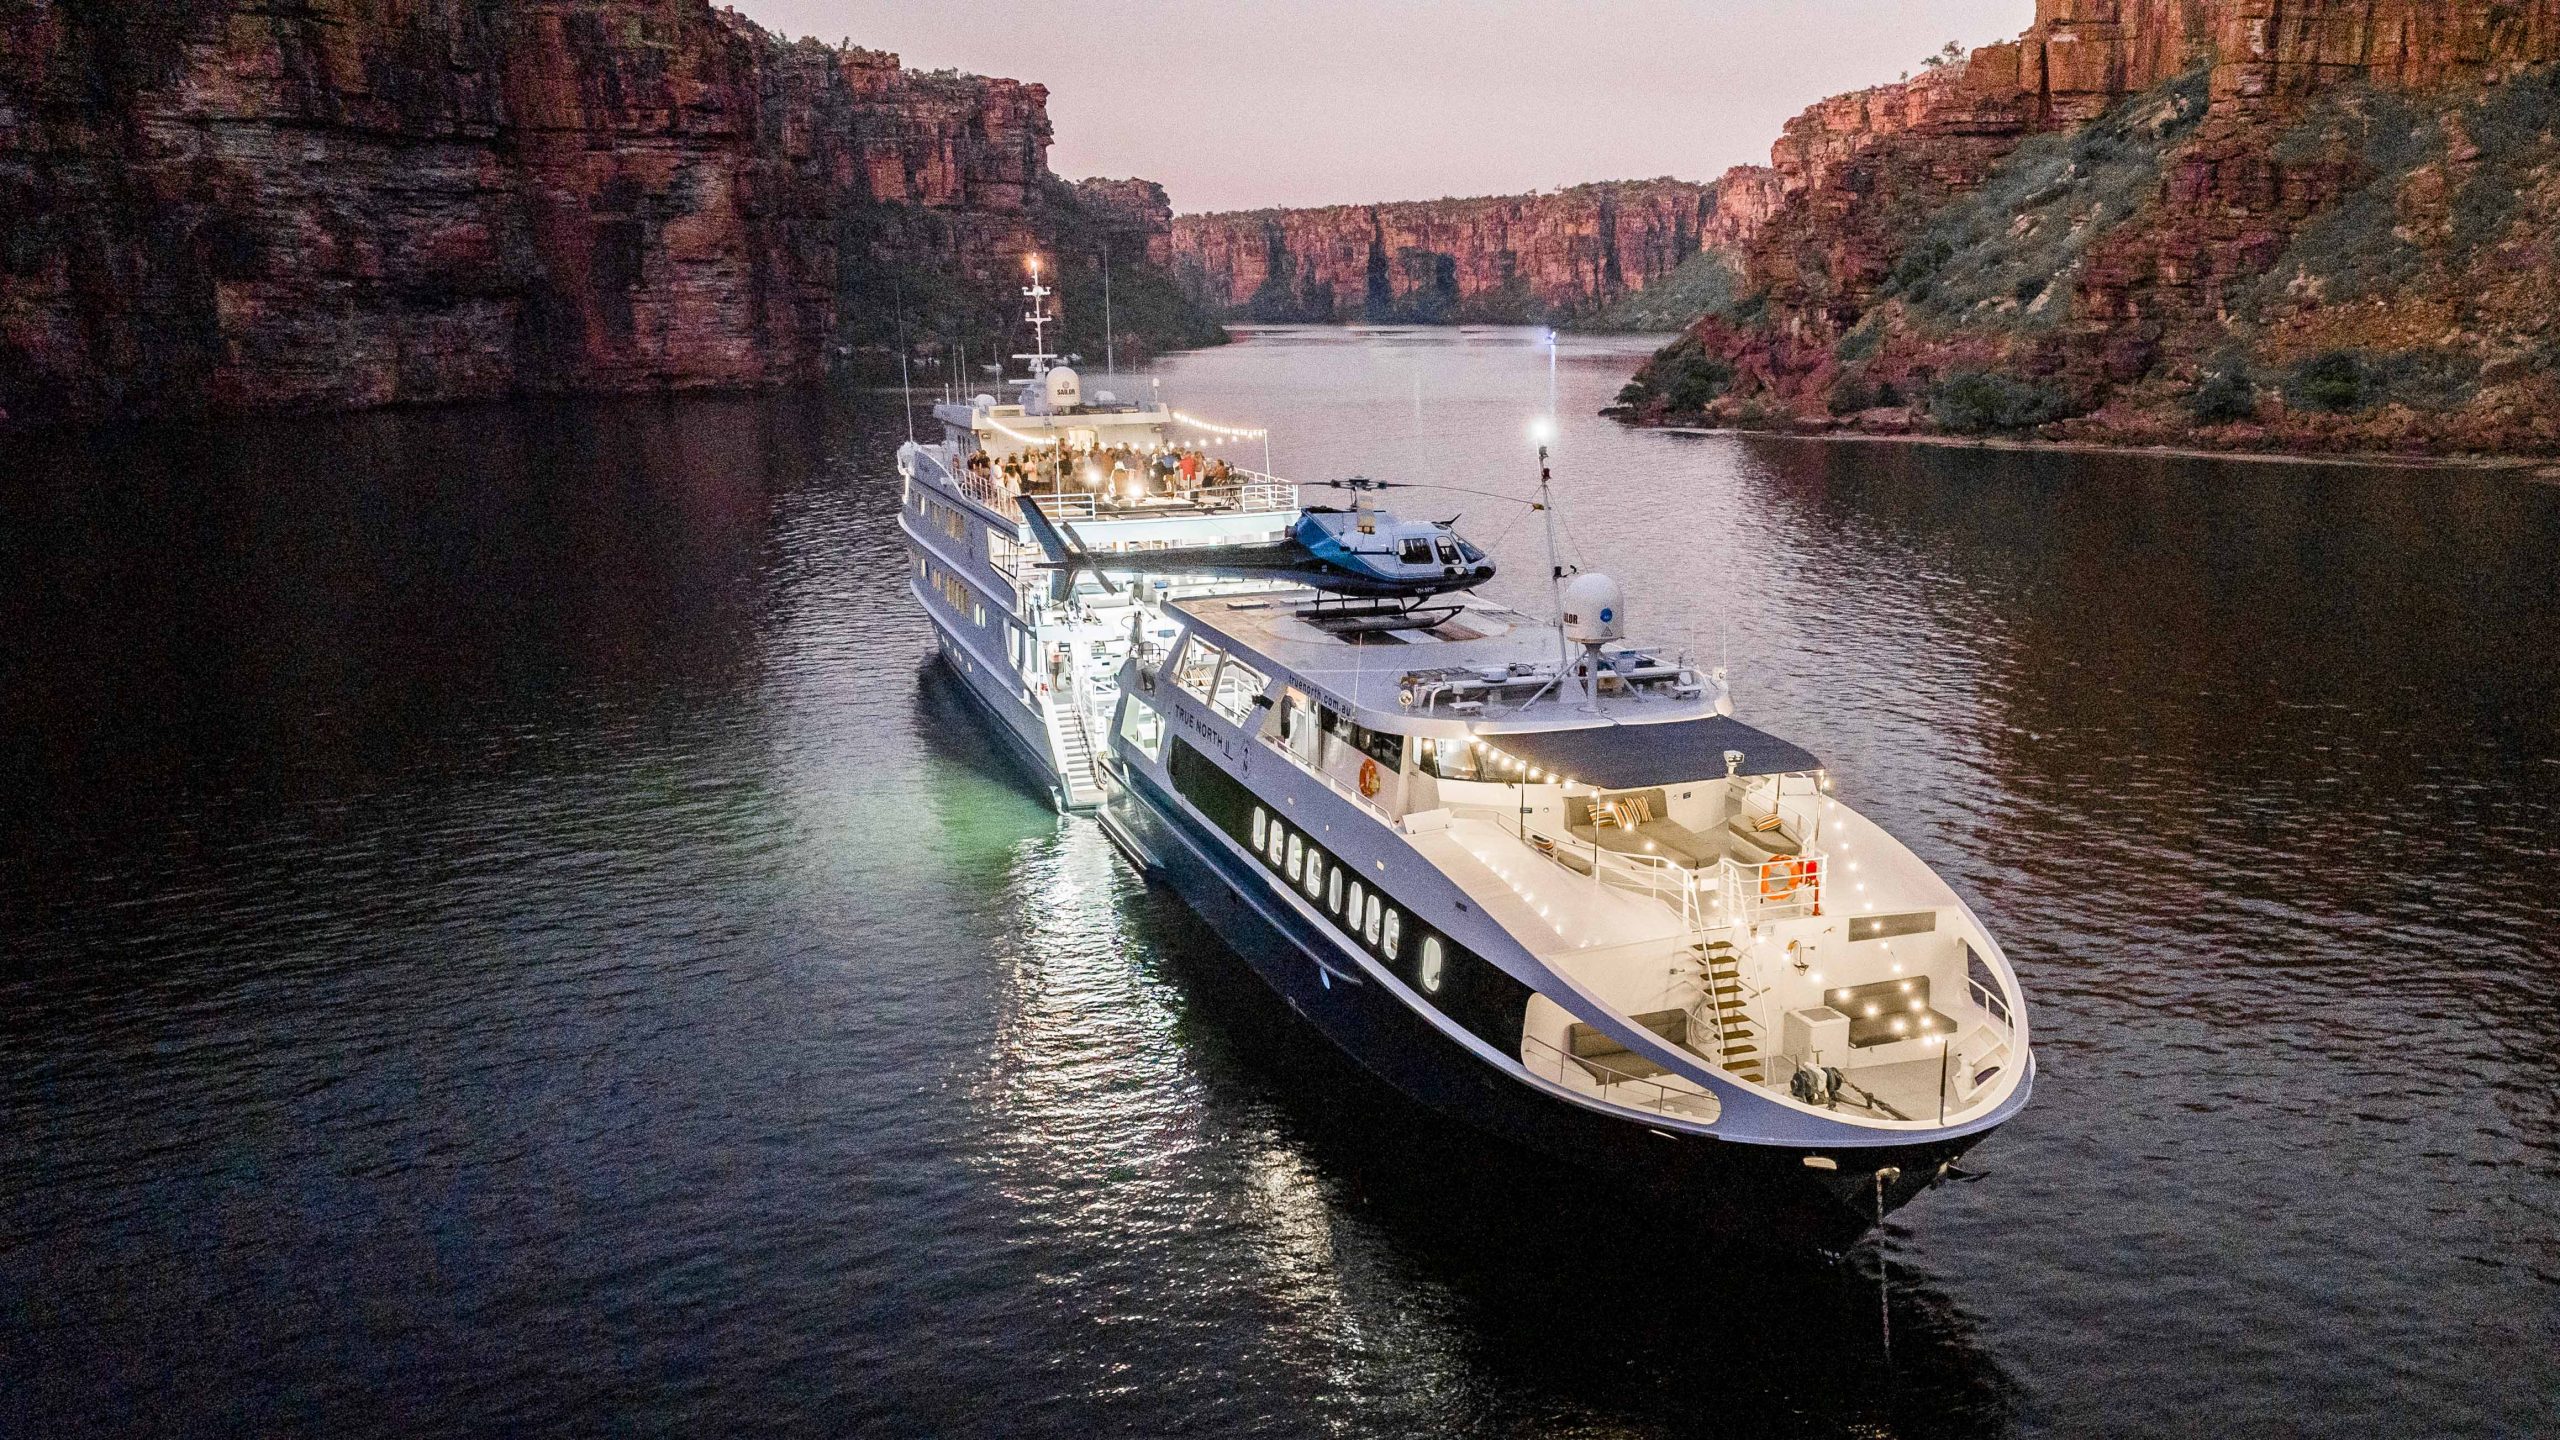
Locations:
column 1075, row 755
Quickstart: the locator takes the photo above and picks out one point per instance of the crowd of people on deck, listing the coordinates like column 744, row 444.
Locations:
column 1121, row 472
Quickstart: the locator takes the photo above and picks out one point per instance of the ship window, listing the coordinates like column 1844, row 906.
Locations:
column 1414, row 550
column 1433, row 956
column 1261, row 827
column 1370, row 924
column 1298, row 727
column 1199, row 667
column 1315, row 874
column 1393, row 943
column 1450, row 759
column 1297, row 857
column 1279, row 843
column 1351, row 911
column 1239, row 685
column 1333, row 891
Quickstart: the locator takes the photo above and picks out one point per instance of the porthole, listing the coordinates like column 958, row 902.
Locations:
column 1333, row 892
column 1261, row 827
column 1432, row 958
column 1297, row 858
column 1394, row 940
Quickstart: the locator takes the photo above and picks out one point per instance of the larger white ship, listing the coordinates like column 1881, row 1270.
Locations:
column 1537, row 876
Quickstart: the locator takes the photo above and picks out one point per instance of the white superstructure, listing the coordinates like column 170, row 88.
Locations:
column 1121, row 477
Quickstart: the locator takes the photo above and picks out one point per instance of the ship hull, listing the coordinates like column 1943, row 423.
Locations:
column 1025, row 736
column 1751, row 1193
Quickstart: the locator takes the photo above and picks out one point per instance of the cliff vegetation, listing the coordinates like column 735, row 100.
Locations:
column 2309, row 227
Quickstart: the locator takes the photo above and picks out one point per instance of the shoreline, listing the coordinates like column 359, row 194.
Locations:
column 2535, row 468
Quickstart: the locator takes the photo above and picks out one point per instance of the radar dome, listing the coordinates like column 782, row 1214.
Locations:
column 1595, row 610
column 1066, row 389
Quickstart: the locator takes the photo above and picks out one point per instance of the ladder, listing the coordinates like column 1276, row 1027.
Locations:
column 1726, row 1006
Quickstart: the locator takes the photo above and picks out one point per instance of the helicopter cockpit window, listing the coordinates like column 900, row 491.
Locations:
column 1448, row 551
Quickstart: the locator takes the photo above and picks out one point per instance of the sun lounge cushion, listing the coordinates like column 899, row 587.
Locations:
column 1608, row 1062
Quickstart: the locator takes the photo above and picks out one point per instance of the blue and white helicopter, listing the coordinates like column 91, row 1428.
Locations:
column 1359, row 553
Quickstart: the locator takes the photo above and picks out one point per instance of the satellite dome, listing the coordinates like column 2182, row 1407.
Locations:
column 1066, row 389
column 1595, row 610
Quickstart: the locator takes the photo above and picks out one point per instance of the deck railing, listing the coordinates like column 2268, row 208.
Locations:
column 1709, row 897
column 1636, row 1092
column 1252, row 493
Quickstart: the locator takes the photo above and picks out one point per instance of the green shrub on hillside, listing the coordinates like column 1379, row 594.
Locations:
column 2361, row 247
column 1707, row 283
column 2351, row 382
column 1682, row 378
column 2226, row 394
column 2003, row 256
column 1977, row 402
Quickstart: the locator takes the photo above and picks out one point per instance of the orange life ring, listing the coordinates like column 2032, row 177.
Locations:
column 1777, row 879
column 1369, row 781
column 1782, row 878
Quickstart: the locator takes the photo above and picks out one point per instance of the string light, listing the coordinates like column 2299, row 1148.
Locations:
column 1215, row 429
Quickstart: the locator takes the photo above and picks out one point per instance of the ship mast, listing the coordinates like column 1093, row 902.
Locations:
column 1035, row 292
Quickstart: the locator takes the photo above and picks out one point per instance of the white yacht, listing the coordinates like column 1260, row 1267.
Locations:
column 1042, row 653
column 1536, row 875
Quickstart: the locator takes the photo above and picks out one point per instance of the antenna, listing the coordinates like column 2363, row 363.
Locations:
column 1110, row 356
column 1555, row 562
column 905, row 386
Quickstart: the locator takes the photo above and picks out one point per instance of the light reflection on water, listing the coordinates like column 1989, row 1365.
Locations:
column 502, row 928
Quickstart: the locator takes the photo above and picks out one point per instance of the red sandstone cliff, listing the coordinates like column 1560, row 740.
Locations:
column 1510, row 257
column 2301, row 223
column 249, row 204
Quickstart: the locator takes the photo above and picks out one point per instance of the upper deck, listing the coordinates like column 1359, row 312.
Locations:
column 1485, row 669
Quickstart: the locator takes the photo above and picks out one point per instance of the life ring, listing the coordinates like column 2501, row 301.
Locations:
column 1369, row 781
column 1782, row 878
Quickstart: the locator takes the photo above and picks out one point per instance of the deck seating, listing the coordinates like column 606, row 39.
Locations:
column 1905, row 1000
column 1658, row 835
column 1754, row 845
column 1598, row 1052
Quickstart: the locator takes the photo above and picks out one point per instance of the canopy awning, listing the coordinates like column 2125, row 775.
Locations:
column 1625, row 757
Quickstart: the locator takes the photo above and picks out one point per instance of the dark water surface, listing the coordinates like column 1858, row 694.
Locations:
column 504, row 930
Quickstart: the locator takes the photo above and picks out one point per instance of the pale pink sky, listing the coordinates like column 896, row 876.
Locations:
column 1234, row 105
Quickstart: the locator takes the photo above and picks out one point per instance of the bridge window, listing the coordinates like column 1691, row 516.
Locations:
column 1199, row 667
column 1239, row 685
